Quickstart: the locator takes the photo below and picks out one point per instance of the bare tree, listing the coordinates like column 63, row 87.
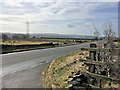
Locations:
column 96, row 33
column 108, row 33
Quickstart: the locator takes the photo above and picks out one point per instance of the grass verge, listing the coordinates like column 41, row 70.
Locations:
column 56, row 74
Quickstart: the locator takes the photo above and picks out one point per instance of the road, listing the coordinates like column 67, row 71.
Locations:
column 23, row 69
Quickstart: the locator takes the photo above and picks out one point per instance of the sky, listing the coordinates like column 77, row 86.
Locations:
column 57, row 16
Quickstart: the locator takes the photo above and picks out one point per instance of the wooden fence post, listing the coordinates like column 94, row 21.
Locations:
column 92, row 56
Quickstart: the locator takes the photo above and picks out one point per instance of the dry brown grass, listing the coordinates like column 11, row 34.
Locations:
column 11, row 42
column 117, row 44
column 113, row 85
column 56, row 74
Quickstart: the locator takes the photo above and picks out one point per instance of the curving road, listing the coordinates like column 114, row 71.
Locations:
column 23, row 69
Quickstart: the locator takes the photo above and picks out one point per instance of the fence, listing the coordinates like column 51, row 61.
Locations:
column 102, row 67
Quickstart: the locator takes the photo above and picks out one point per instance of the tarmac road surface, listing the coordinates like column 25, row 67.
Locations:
column 23, row 69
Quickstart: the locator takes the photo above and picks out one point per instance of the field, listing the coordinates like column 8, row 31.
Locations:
column 43, row 40
column 13, row 45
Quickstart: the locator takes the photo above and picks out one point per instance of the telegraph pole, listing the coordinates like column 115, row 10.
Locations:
column 27, row 29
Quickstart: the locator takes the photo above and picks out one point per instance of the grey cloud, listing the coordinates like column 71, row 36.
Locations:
column 71, row 25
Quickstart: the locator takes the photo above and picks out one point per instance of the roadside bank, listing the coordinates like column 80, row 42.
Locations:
column 56, row 74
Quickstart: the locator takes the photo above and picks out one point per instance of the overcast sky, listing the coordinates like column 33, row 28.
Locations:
column 57, row 16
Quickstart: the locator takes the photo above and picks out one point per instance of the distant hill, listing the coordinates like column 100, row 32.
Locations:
column 52, row 35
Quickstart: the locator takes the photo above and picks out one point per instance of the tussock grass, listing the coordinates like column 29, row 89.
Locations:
column 56, row 74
